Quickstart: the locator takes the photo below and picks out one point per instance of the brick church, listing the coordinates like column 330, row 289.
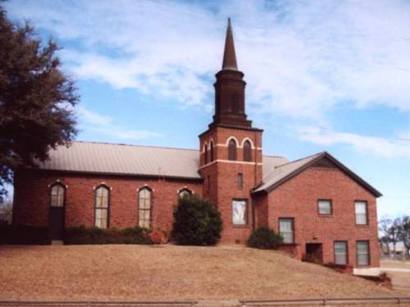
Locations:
column 322, row 209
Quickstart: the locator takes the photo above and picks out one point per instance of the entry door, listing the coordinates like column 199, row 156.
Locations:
column 314, row 252
column 56, row 223
column 56, row 213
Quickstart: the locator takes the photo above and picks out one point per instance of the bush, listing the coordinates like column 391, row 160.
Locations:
column 23, row 235
column 196, row 222
column 264, row 238
column 94, row 235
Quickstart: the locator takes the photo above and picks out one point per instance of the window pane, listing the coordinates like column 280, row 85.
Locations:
column 286, row 230
column 184, row 193
column 239, row 212
column 341, row 253
column 361, row 213
column 325, row 206
column 362, row 250
column 101, row 218
column 101, row 198
column 247, row 151
column 57, row 196
column 232, row 150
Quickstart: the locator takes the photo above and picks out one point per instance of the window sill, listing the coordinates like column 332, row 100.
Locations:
column 240, row 226
column 362, row 225
column 325, row 215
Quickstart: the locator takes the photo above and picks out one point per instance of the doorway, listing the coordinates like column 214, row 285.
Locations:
column 56, row 223
column 314, row 253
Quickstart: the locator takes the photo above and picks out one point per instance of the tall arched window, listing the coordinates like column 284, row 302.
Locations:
column 211, row 151
column 206, row 153
column 102, row 204
column 232, row 155
column 144, row 207
column 57, row 195
column 247, row 151
column 184, row 193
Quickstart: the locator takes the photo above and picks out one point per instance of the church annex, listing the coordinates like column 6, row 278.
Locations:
column 322, row 209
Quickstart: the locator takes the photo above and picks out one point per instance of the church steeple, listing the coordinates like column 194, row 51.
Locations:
column 230, row 89
column 229, row 60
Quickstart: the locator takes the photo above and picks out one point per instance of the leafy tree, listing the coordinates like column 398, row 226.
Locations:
column 36, row 99
column 196, row 222
column 404, row 233
column 6, row 211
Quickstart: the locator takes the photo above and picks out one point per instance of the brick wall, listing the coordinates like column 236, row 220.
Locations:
column 298, row 198
column 32, row 197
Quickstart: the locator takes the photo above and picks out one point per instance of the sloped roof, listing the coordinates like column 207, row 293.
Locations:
column 284, row 172
column 120, row 159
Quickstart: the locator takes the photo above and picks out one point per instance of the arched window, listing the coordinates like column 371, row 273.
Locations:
column 247, row 151
column 57, row 195
column 102, row 204
column 206, row 153
column 232, row 155
column 184, row 193
column 144, row 207
column 211, row 151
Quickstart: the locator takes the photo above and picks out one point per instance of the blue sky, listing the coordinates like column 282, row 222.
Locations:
column 323, row 75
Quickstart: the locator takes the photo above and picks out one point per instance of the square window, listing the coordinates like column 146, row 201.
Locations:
column 239, row 212
column 325, row 206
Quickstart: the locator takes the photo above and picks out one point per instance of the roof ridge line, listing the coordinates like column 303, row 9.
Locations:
column 132, row 145
column 300, row 159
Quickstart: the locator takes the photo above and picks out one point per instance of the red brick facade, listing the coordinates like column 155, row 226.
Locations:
column 32, row 198
column 223, row 179
column 298, row 199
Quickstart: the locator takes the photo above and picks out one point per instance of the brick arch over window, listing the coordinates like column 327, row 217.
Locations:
column 247, row 151
column 232, row 150
column 102, row 207
column 145, row 207
column 184, row 192
column 57, row 195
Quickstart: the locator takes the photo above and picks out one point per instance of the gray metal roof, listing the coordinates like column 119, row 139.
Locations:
column 280, row 172
column 120, row 159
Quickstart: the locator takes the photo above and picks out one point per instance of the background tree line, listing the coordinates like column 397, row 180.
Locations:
column 394, row 231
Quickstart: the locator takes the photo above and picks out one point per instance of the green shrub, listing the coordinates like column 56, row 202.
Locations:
column 94, row 235
column 196, row 222
column 264, row 238
column 10, row 234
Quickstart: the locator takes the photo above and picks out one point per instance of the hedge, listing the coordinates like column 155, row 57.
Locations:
column 264, row 238
column 94, row 235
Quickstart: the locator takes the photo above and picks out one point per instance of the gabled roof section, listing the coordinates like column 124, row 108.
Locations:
column 284, row 172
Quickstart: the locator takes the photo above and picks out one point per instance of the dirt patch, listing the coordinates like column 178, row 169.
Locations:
column 167, row 272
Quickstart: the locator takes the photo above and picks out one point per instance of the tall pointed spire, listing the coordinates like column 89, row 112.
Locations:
column 229, row 61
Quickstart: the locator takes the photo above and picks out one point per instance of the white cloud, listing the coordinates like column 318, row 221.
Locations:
column 300, row 59
column 388, row 148
column 105, row 126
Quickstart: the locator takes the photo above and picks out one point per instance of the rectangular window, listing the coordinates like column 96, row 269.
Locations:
column 324, row 206
column 361, row 212
column 239, row 212
column 362, row 253
column 286, row 229
column 340, row 252
column 239, row 181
